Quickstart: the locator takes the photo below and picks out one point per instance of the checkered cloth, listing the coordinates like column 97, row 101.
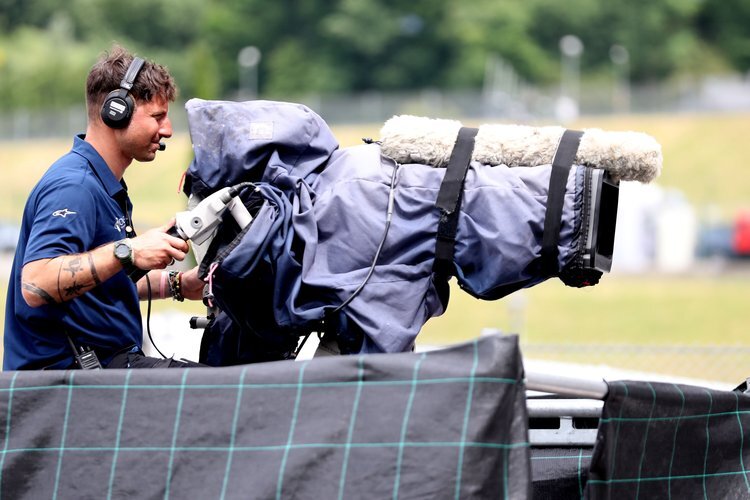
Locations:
column 559, row 473
column 442, row 424
column 661, row 440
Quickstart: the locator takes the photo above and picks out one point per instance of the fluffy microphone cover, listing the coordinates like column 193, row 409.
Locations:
column 628, row 156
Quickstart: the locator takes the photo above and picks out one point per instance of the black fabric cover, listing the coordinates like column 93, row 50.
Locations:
column 660, row 440
column 559, row 473
column 442, row 424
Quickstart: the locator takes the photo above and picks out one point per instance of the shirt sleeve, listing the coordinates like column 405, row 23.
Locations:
column 64, row 222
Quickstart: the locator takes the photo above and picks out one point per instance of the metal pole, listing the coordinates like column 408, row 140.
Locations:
column 563, row 385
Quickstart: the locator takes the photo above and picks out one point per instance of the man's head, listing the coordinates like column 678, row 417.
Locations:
column 153, row 80
column 138, row 136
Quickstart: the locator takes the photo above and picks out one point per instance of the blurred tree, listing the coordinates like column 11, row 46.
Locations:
column 230, row 25
column 32, row 13
column 357, row 45
column 326, row 46
column 387, row 44
column 488, row 27
column 166, row 24
column 657, row 35
column 291, row 70
column 203, row 79
column 726, row 25
column 43, row 68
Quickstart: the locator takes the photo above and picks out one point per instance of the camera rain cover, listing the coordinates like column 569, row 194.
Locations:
column 314, row 239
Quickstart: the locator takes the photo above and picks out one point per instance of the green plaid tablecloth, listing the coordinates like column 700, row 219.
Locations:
column 663, row 441
column 442, row 424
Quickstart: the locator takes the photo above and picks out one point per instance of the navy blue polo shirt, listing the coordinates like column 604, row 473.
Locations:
column 77, row 205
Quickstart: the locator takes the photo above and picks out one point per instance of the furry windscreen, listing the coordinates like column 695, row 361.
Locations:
column 628, row 156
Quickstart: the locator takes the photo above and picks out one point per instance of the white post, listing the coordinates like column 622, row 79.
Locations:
column 571, row 48
column 620, row 58
column 247, row 60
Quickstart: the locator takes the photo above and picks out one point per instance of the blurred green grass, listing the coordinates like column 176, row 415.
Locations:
column 705, row 156
column 642, row 310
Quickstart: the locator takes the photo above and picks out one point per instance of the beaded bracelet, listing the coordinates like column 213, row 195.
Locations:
column 175, row 285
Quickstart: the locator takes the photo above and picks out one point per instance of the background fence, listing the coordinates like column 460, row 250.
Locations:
column 725, row 366
column 507, row 99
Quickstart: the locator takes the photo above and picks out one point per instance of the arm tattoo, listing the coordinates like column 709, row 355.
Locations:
column 94, row 274
column 38, row 291
column 74, row 290
column 59, row 292
column 74, row 265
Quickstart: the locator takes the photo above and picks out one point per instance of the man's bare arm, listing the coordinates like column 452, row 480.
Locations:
column 154, row 278
column 63, row 278
column 191, row 286
column 66, row 277
column 31, row 288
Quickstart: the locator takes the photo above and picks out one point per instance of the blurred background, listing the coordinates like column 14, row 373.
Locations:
column 676, row 303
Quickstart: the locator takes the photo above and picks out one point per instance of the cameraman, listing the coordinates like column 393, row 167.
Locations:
column 69, row 285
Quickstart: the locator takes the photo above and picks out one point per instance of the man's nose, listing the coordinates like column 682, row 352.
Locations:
column 166, row 128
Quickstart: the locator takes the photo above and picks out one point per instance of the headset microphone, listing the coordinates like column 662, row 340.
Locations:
column 162, row 146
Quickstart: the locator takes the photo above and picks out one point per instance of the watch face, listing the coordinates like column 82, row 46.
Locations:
column 123, row 251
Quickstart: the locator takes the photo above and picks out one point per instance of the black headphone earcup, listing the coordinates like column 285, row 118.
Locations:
column 117, row 109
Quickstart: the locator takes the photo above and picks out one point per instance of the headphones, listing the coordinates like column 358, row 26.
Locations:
column 118, row 106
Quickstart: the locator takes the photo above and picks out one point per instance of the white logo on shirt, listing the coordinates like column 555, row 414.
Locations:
column 62, row 213
column 120, row 224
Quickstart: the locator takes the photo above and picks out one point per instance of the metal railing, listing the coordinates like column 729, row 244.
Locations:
column 726, row 364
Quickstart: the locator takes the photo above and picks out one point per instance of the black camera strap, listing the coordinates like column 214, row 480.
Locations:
column 449, row 200
column 561, row 165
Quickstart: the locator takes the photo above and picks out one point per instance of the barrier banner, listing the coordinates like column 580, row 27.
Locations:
column 442, row 424
column 559, row 472
column 659, row 440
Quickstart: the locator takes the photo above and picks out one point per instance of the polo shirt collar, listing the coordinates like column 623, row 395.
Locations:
column 99, row 166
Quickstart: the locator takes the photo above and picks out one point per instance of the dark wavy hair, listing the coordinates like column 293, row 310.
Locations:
column 106, row 75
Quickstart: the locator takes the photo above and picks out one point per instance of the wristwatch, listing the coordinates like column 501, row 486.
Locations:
column 124, row 253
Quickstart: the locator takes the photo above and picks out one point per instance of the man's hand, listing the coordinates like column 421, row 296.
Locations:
column 155, row 249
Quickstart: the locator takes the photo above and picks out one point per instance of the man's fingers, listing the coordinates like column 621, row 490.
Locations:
column 176, row 254
column 155, row 249
column 178, row 243
column 168, row 225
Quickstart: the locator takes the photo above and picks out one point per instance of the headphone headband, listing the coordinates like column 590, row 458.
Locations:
column 132, row 73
